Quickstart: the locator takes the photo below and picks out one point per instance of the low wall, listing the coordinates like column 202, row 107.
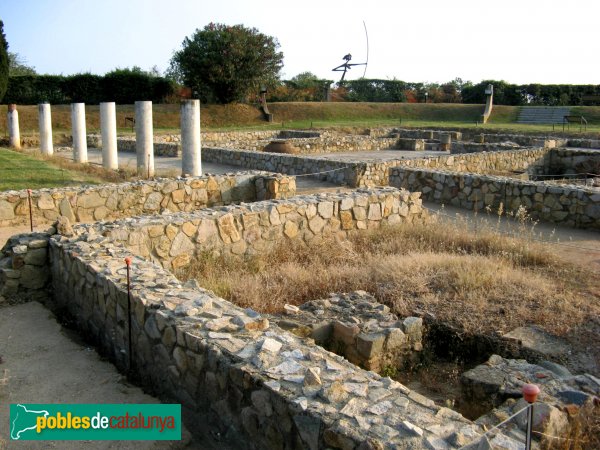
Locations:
column 571, row 161
column 573, row 206
column 111, row 201
column 127, row 144
column 232, row 370
column 584, row 143
column 377, row 173
column 315, row 145
column 173, row 240
column 333, row 171
column 427, row 134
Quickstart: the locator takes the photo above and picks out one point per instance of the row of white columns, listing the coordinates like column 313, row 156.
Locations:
column 190, row 135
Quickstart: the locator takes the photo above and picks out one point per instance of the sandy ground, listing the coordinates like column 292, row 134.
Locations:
column 578, row 246
column 42, row 363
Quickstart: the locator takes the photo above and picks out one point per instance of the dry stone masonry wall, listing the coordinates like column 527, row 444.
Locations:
column 569, row 205
column 233, row 369
column 359, row 328
column 258, row 385
column 113, row 201
column 174, row 239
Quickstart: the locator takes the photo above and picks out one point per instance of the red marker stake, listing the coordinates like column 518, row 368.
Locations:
column 530, row 393
column 128, row 263
column 30, row 211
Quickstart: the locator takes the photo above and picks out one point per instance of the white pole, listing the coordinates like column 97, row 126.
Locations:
column 144, row 138
column 14, row 136
column 190, row 138
column 45, row 120
column 79, row 135
column 108, row 129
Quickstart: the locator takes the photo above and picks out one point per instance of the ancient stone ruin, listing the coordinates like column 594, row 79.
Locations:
column 315, row 376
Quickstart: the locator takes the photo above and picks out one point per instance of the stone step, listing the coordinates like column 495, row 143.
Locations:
column 542, row 115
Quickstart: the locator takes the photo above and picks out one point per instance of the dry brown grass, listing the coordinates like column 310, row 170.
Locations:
column 480, row 281
column 93, row 170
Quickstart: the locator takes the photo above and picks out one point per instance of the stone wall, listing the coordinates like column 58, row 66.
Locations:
column 231, row 369
column 584, row 143
column 127, row 144
column 568, row 205
column 377, row 173
column 24, row 274
column 358, row 328
column 427, row 134
column 173, row 240
column 111, row 201
column 333, row 171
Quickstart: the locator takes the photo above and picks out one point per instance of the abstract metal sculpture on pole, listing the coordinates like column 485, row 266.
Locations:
column 347, row 58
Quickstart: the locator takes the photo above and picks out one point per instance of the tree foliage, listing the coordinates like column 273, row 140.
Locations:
column 123, row 86
column 225, row 64
column 18, row 67
column 3, row 62
column 534, row 94
column 304, row 87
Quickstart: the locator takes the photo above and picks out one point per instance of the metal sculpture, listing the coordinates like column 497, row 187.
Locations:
column 346, row 66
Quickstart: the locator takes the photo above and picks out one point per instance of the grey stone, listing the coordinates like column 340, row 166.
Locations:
column 36, row 257
column 309, row 428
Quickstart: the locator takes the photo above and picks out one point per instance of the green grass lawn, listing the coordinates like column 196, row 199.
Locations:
column 21, row 171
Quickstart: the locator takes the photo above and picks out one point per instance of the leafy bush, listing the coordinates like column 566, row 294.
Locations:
column 123, row 86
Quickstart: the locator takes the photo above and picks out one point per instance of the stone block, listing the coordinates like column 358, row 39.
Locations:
column 36, row 257
column 345, row 333
column 413, row 328
column 370, row 345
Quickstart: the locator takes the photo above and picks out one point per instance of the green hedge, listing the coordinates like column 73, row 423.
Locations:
column 120, row 86
column 533, row 94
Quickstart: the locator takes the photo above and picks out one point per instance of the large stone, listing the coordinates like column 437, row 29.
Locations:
column 153, row 201
column 316, row 224
column 370, row 345
column 227, row 229
column 181, row 245
column 90, row 200
column 66, row 209
column 325, row 209
column 36, row 257
column 45, row 201
column 546, row 418
column 413, row 328
column 538, row 340
column 346, row 220
column 33, row 277
column 345, row 333
column 309, row 427
column 6, row 210
column 290, row 229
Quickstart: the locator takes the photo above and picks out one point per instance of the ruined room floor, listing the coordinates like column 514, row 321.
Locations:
column 578, row 246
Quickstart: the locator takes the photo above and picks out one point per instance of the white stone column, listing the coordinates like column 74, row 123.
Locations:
column 80, row 154
column 190, row 138
column 14, row 136
column 108, row 129
column 45, row 119
column 144, row 139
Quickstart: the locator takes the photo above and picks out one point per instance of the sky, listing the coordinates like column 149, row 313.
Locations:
column 519, row 41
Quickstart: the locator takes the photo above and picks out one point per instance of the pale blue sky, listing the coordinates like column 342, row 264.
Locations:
column 522, row 41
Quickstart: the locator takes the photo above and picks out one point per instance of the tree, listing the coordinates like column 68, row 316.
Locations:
column 17, row 66
column 3, row 62
column 226, row 63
